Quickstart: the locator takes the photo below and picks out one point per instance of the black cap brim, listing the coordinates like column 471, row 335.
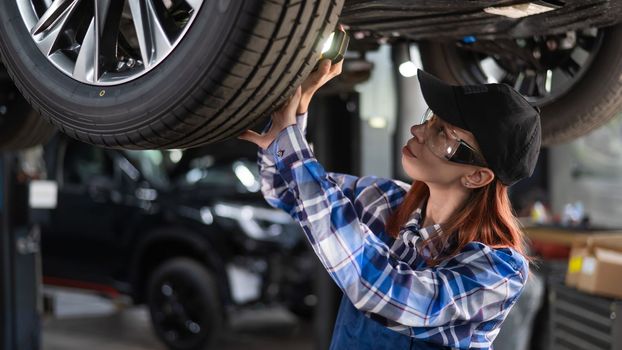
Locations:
column 441, row 99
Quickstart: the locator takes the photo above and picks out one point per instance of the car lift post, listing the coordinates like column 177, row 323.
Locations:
column 20, row 273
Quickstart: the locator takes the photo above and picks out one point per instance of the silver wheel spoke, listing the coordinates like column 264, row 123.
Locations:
column 51, row 24
column 86, row 68
column 195, row 4
column 152, row 38
column 52, row 15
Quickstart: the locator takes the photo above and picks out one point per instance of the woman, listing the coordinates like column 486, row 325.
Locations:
column 434, row 265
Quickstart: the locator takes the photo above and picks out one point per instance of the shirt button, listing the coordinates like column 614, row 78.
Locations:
column 279, row 153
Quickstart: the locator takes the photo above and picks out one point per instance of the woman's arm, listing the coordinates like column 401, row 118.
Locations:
column 278, row 195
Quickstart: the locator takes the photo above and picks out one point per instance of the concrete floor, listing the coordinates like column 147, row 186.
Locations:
column 82, row 321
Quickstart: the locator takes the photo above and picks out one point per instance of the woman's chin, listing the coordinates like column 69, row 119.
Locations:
column 409, row 173
column 412, row 174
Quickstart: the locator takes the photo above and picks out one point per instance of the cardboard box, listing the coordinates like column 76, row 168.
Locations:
column 580, row 248
column 600, row 273
column 595, row 265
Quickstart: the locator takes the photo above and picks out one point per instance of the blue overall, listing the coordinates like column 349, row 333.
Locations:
column 355, row 331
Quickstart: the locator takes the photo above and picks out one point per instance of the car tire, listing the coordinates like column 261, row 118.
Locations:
column 237, row 62
column 302, row 311
column 590, row 103
column 198, row 313
column 20, row 125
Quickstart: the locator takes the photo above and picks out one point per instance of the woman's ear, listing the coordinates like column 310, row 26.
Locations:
column 480, row 177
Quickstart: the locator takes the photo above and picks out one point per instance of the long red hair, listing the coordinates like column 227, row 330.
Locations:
column 486, row 216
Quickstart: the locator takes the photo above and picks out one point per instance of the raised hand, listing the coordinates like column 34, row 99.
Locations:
column 281, row 119
column 325, row 72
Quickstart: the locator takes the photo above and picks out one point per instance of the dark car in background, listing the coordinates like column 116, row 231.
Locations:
column 187, row 233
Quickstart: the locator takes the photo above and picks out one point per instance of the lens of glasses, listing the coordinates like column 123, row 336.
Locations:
column 444, row 143
column 440, row 141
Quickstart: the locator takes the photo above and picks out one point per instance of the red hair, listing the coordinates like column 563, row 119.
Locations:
column 486, row 216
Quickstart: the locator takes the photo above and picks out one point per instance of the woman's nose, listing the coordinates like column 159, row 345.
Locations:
column 417, row 131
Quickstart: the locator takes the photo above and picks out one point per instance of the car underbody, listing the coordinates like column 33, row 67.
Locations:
column 453, row 20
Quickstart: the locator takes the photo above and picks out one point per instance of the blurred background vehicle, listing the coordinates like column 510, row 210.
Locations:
column 186, row 233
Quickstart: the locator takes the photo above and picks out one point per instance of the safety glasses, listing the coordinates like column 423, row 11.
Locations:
column 443, row 141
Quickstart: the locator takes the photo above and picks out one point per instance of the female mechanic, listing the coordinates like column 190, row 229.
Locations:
column 433, row 265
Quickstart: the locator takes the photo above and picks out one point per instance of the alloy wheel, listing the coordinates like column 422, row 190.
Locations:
column 107, row 42
column 541, row 68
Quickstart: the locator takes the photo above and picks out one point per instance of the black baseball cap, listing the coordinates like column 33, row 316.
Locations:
column 504, row 124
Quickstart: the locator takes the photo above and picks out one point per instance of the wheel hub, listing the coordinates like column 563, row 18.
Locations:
column 175, row 309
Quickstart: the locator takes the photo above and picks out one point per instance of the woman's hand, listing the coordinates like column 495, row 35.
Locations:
column 281, row 119
column 297, row 104
column 325, row 72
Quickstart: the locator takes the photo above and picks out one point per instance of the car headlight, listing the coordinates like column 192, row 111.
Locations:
column 257, row 223
column 246, row 177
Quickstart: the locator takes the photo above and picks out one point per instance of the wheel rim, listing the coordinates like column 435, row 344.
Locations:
column 107, row 42
column 179, row 313
column 541, row 68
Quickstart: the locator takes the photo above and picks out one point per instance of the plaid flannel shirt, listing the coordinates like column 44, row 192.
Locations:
column 459, row 303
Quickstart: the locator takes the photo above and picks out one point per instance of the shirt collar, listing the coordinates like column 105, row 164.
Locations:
column 414, row 222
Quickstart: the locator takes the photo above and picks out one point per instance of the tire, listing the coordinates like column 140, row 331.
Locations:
column 189, row 278
column 20, row 125
column 236, row 63
column 302, row 311
column 593, row 100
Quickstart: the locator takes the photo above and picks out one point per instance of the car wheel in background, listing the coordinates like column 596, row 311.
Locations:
column 20, row 125
column 160, row 74
column 574, row 77
column 182, row 296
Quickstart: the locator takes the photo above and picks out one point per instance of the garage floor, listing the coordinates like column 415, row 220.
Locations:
column 83, row 321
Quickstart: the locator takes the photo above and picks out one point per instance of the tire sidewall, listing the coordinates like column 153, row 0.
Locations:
column 20, row 126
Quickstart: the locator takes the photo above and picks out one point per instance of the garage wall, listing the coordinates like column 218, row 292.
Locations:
column 379, row 102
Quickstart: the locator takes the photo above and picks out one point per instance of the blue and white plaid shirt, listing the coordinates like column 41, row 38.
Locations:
column 459, row 303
